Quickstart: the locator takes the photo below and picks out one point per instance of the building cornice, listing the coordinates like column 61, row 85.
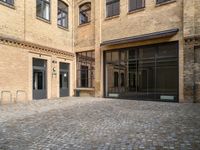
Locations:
column 32, row 47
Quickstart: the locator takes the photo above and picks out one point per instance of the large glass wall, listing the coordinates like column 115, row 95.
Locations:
column 147, row 72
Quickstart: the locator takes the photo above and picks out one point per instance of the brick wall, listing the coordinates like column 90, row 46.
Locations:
column 84, row 34
column 13, row 72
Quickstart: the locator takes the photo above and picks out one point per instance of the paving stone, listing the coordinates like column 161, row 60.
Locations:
column 102, row 124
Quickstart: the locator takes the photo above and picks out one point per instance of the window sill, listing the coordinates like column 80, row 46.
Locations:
column 63, row 28
column 113, row 17
column 84, row 89
column 165, row 3
column 7, row 5
column 44, row 20
column 136, row 10
column 84, row 24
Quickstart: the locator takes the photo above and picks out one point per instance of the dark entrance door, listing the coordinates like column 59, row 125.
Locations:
column 84, row 76
column 64, row 79
column 39, row 79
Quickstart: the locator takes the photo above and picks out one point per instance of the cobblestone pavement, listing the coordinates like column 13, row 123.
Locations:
column 102, row 124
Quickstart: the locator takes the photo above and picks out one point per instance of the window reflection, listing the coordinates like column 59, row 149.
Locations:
column 62, row 14
column 85, row 13
column 43, row 9
column 149, row 72
column 85, row 69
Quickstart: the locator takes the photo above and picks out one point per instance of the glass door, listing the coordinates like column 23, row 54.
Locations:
column 39, row 79
column 64, row 79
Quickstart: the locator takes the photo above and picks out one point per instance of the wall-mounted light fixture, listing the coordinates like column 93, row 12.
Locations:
column 54, row 71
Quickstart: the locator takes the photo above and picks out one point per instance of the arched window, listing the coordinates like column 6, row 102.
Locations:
column 62, row 14
column 85, row 13
column 112, row 8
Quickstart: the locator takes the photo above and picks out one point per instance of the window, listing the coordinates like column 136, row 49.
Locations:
column 161, row 1
column 85, row 69
column 43, row 9
column 62, row 14
column 85, row 13
column 10, row 2
column 112, row 8
column 151, row 73
column 136, row 4
column 197, row 55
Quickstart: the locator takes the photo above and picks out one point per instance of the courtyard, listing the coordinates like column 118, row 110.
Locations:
column 97, row 123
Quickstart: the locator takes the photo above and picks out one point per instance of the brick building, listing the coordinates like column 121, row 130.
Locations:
column 131, row 49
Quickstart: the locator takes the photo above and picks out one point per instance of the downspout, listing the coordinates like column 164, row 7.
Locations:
column 73, row 44
column 194, row 68
column 194, row 77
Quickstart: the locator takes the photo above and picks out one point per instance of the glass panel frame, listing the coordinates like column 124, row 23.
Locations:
column 62, row 15
column 136, row 4
column 144, row 78
column 85, row 13
column 43, row 9
column 86, row 59
column 112, row 8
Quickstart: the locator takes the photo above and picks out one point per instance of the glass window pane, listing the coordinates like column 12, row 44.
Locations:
column 116, row 8
column 62, row 14
column 85, row 13
column 167, row 50
column 115, row 56
column 112, row 7
column 166, row 81
column 85, row 69
column 116, row 76
column 139, row 3
column 132, row 4
column 147, row 52
column 108, row 57
column 10, row 2
column 46, row 11
column 132, row 53
column 39, row 8
column 197, row 54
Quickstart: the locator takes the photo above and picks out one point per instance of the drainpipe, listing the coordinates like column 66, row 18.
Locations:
column 194, row 76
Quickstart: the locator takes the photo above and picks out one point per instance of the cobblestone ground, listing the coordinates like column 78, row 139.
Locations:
column 102, row 124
